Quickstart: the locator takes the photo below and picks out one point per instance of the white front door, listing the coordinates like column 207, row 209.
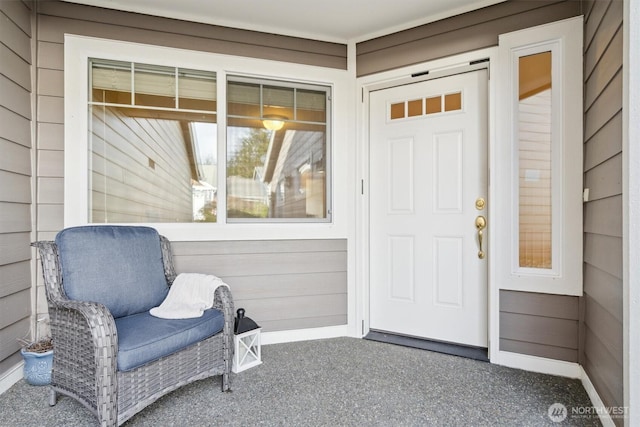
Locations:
column 428, row 154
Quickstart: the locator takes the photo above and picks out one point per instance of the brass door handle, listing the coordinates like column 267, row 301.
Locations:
column 481, row 224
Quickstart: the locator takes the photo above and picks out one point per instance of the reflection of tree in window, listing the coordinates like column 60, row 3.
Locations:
column 246, row 193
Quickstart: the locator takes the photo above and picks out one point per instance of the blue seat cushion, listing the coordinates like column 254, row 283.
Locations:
column 118, row 266
column 143, row 338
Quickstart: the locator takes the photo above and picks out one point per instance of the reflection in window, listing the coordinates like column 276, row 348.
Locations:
column 276, row 151
column 152, row 144
column 534, row 151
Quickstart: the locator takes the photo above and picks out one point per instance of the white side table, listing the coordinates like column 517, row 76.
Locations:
column 247, row 352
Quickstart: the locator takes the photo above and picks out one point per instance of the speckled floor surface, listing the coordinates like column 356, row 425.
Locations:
column 339, row 382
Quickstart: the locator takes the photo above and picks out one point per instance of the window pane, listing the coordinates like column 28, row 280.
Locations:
column 153, row 164
column 276, row 169
column 278, row 102
column 111, row 82
column 453, row 101
column 534, row 150
column 155, row 86
column 196, row 90
column 434, row 104
column 415, row 108
column 243, row 99
column 311, row 106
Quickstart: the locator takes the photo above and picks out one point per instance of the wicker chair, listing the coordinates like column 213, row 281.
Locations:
column 86, row 336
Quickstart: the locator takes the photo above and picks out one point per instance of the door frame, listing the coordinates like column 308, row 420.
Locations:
column 406, row 75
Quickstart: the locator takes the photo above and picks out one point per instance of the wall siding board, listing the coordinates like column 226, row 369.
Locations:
column 539, row 350
column 287, row 285
column 9, row 336
column 283, row 284
column 50, row 136
column 50, row 190
column 535, row 304
column 601, row 324
column 14, row 217
column 14, row 37
column 50, row 218
column 604, row 252
column 15, row 277
column 20, row 97
column 19, row 13
column 606, row 29
column 50, row 163
column 607, row 68
column 255, row 247
column 463, row 33
column 15, row 306
column 597, row 217
column 604, row 288
column 50, row 109
column 263, row 264
column 10, row 64
column 50, row 82
column 604, row 144
column 14, row 247
column 15, row 187
column 15, row 127
column 593, row 19
column 15, row 157
column 605, row 180
column 180, row 27
column 50, row 31
column 539, row 330
column 603, row 370
column 541, row 325
column 50, row 55
column 469, row 19
column 606, row 105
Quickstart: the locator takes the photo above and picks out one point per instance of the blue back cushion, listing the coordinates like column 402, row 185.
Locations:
column 118, row 266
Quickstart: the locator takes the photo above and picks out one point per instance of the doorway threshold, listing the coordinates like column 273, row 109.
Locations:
column 476, row 353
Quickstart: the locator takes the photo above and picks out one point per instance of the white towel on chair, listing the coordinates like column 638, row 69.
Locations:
column 189, row 296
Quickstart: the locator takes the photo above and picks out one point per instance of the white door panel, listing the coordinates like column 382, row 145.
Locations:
column 427, row 170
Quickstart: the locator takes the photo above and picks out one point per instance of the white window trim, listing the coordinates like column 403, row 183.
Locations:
column 565, row 278
column 78, row 49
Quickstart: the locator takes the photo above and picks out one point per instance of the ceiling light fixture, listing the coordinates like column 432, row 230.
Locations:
column 273, row 122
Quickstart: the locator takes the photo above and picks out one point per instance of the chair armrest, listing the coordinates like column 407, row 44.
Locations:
column 86, row 348
column 223, row 301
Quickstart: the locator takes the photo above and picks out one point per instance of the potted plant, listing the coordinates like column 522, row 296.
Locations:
column 38, row 361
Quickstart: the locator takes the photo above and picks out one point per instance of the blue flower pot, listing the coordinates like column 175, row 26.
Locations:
column 37, row 367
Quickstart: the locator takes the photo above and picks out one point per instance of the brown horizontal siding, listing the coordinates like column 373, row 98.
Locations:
column 601, row 350
column 58, row 18
column 541, row 325
column 462, row 33
column 283, row 284
column 15, row 179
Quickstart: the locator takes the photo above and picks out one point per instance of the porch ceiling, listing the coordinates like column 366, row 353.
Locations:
column 329, row 20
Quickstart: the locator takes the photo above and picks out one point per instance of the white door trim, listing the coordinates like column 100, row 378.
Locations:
column 364, row 86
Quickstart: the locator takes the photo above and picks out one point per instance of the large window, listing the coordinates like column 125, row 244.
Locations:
column 152, row 143
column 276, row 151
column 154, row 155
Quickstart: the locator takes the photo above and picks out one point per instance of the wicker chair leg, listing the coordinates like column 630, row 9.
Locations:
column 53, row 397
column 226, row 383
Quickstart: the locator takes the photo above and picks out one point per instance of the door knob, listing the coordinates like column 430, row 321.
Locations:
column 481, row 224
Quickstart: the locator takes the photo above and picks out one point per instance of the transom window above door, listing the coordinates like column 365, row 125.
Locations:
column 433, row 104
